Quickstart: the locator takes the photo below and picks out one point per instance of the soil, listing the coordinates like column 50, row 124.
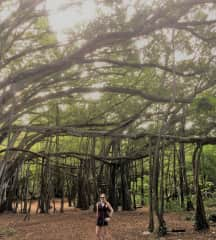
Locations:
column 75, row 224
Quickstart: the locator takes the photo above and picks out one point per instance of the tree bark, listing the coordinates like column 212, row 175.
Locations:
column 162, row 230
column 151, row 205
column 126, row 196
column 200, row 215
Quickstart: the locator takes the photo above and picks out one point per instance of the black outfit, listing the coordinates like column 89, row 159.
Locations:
column 102, row 214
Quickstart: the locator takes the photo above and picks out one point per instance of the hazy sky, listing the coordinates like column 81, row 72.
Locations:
column 61, row 20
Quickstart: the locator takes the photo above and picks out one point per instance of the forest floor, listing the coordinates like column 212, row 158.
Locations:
column 75, row 224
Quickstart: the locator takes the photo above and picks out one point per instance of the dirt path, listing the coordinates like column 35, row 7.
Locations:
column 80, row 225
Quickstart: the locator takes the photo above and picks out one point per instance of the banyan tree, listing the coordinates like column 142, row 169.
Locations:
column 127, row 98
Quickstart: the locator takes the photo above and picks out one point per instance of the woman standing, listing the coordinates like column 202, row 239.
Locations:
column 104, row 212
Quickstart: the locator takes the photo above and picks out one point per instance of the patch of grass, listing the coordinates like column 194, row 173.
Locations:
column 7, row 231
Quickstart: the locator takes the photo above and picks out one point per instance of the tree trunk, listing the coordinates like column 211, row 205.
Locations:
column 26, row 184
column 142, row 183
column 83, row 188
column 175, row 191
column 162, row 180
column 181, row 177
column 62, row 191
column 112, row 187
column 151, row 208
column 200, row 216
column 167, row 181
column 162, row 230
column 134, row 183
column 126, row 196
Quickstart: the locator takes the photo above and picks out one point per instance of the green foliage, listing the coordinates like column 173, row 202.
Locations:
column 209, row 165
column 205, row 104
column 210, row 202
column 156, row 61
column 173, row 206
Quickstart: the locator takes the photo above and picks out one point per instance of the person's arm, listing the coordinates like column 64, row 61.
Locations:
column 97, row 210
column 110, row 208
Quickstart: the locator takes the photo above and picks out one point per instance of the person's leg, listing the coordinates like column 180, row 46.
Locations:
column 98, row 233
column 105, row 233
column 102, row 233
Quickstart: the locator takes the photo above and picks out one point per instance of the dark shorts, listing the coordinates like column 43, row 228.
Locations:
column 101, row 222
